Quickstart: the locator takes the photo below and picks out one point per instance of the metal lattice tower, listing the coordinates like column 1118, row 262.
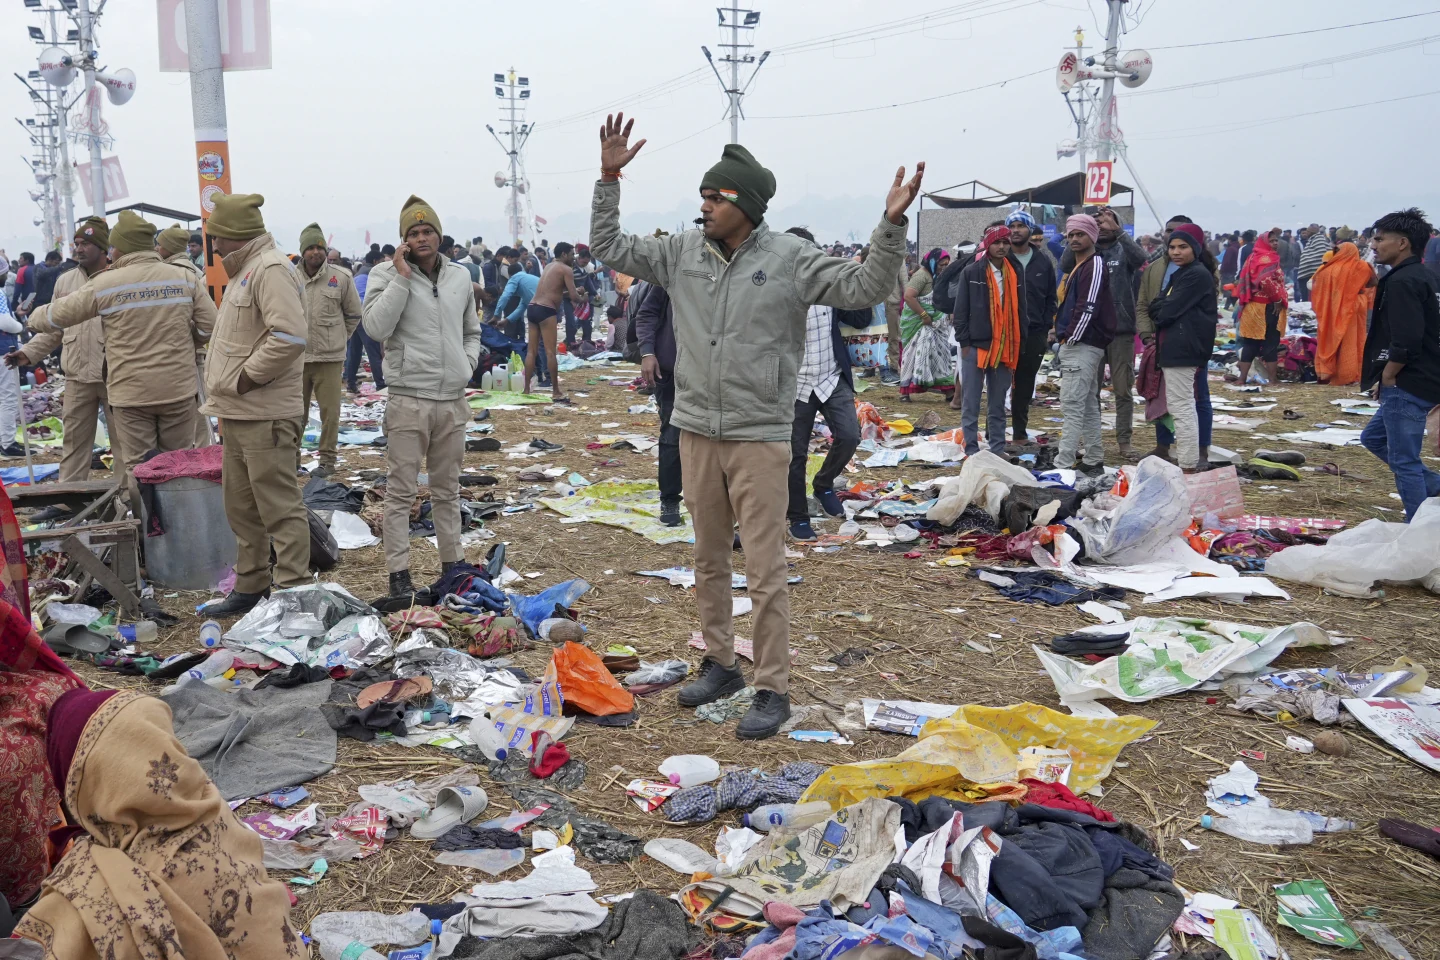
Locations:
column 739, row 23
column 513, row 92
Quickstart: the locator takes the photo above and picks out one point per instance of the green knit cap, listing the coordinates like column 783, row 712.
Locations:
column 741, row 180
column 237, row 216
column 311, row 236
column 94, row 230
column 132, row 233
column 173, row 239
column 416, row 211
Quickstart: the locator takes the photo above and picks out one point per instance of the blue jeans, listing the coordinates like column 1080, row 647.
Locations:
column 360, row 340
column 1395, row 435
column 1164, row 437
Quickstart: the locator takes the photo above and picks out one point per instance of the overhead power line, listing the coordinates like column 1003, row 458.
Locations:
column 909, row 103
column 1238, row 125
column 1295, row 33
column 1324, row 61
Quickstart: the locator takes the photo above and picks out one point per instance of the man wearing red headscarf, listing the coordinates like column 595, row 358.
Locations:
column 989, row 303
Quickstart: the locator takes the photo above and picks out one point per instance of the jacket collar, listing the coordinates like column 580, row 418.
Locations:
column 139, row 256
column 320, row 274
column 235, row 263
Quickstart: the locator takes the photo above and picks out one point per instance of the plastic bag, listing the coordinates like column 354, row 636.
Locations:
column 532, row 610
column 663, row 672
column 1353, row 561
column 587, row 684
column 324, row 551
column 985, row 478
column 1215, row 491
column 1156, row 508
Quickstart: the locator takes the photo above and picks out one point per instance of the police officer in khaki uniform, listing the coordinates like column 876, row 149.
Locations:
column 252, row 383
column 173, row 244
column 332, row 312
column 82, row 362
column 153, row 315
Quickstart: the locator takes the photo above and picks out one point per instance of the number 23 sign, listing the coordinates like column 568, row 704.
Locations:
column 1098, row 181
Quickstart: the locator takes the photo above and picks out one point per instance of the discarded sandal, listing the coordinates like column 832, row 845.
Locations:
column 1338, row 471
column 1269, row 470
column 1291, row 458
column 1291, row 415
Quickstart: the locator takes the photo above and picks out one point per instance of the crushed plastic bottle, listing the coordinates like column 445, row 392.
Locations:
column 791, row 816
column 689, row 770
column 1262, row 825
column 351, row 935
column 490, row 740
column 1320, row 823
column 215, row 665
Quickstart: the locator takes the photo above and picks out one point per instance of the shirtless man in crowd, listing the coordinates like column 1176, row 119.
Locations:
column 557, row 281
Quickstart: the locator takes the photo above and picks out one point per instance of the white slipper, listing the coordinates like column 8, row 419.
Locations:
column 453, row 806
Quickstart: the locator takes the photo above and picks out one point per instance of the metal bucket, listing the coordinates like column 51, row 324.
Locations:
column 198, row 546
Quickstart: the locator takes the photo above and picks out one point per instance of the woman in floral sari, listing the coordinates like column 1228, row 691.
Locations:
column 925, row 336
column 1342, row 293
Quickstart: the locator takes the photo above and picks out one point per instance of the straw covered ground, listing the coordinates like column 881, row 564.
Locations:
column 896, row 606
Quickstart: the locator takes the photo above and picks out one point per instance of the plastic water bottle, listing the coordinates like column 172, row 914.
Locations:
column 143, row 632
column 1262, row 825
column 688, row 770
column 210, row 634
column 791, row 816
column 213, row 666
column 491, row 741
column 350, row 936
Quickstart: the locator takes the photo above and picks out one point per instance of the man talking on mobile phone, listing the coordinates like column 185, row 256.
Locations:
column 740, row 295
column 421, row 306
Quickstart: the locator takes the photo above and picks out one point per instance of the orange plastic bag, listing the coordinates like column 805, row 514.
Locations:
column 587, row 684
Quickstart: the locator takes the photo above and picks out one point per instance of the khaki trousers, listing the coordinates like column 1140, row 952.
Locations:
column 138, row 430
column 1121, row 357
column 433, row 431
column 82, row 402
column 726, row 481
column 262, row 503
column 323, row 381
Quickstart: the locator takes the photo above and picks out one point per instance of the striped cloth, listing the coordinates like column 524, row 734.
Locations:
column 1314, row 253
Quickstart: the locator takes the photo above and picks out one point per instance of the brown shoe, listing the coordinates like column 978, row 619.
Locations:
column 1127, row 452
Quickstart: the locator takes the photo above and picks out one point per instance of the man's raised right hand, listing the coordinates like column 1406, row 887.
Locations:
column 615, row 149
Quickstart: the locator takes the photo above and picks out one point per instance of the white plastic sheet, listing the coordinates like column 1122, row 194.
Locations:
column 1374, row 552
column 1156, row 509
column 985, row 479
column 350, row 532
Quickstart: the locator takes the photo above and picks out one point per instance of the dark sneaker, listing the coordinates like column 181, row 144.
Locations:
column 830, row 502
column 235, row 604
column 12, row 450
column 536, row 443
column 713, row 683
column 1091, row 469
column 56, row 512
column 889, row 377
column 766, row 715
column 325, row 470
column 802, row 530
column 447, row 565
column 400, row 584
column 670, row 513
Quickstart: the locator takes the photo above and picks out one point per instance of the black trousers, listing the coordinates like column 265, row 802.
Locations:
column 839, row 414
column 670, row 477
column 1022, row 390
column 572, row 325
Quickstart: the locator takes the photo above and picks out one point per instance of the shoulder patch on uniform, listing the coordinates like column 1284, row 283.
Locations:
column 245, row 279
column 758, row 278
column 334, row 281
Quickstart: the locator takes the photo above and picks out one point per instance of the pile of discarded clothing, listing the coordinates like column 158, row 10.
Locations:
column 1052, row 877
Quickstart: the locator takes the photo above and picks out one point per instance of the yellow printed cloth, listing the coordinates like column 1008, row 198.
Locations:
column 972, row 756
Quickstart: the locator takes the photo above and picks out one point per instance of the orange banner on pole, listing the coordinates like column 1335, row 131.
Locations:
column 212, row 166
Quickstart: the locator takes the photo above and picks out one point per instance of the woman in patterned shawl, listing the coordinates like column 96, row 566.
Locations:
column 162, row 868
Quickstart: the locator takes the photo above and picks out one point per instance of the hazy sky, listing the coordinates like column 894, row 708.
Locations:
column 370, row 101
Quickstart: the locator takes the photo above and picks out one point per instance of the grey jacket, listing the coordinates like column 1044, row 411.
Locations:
column 429, row 328
column 740, row 325
column 1124, row 260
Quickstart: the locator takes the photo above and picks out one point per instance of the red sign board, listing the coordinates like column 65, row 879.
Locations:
column 1098, row 181
column 244, row 35
column 110, row 172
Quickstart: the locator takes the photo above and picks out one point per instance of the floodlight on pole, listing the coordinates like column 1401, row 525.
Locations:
column 513, row 90
column 734, row 19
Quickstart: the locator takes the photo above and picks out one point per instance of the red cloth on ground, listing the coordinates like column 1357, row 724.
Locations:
column 553, row 758
column 1061, row 797
column 200, row 462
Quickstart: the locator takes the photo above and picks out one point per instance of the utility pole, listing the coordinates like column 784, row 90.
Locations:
column 513, row 91
column 1107, row 88
column 212, row 125
column 1083, row 109
column 48, row 131
column 92, row 103
column 734, row 19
